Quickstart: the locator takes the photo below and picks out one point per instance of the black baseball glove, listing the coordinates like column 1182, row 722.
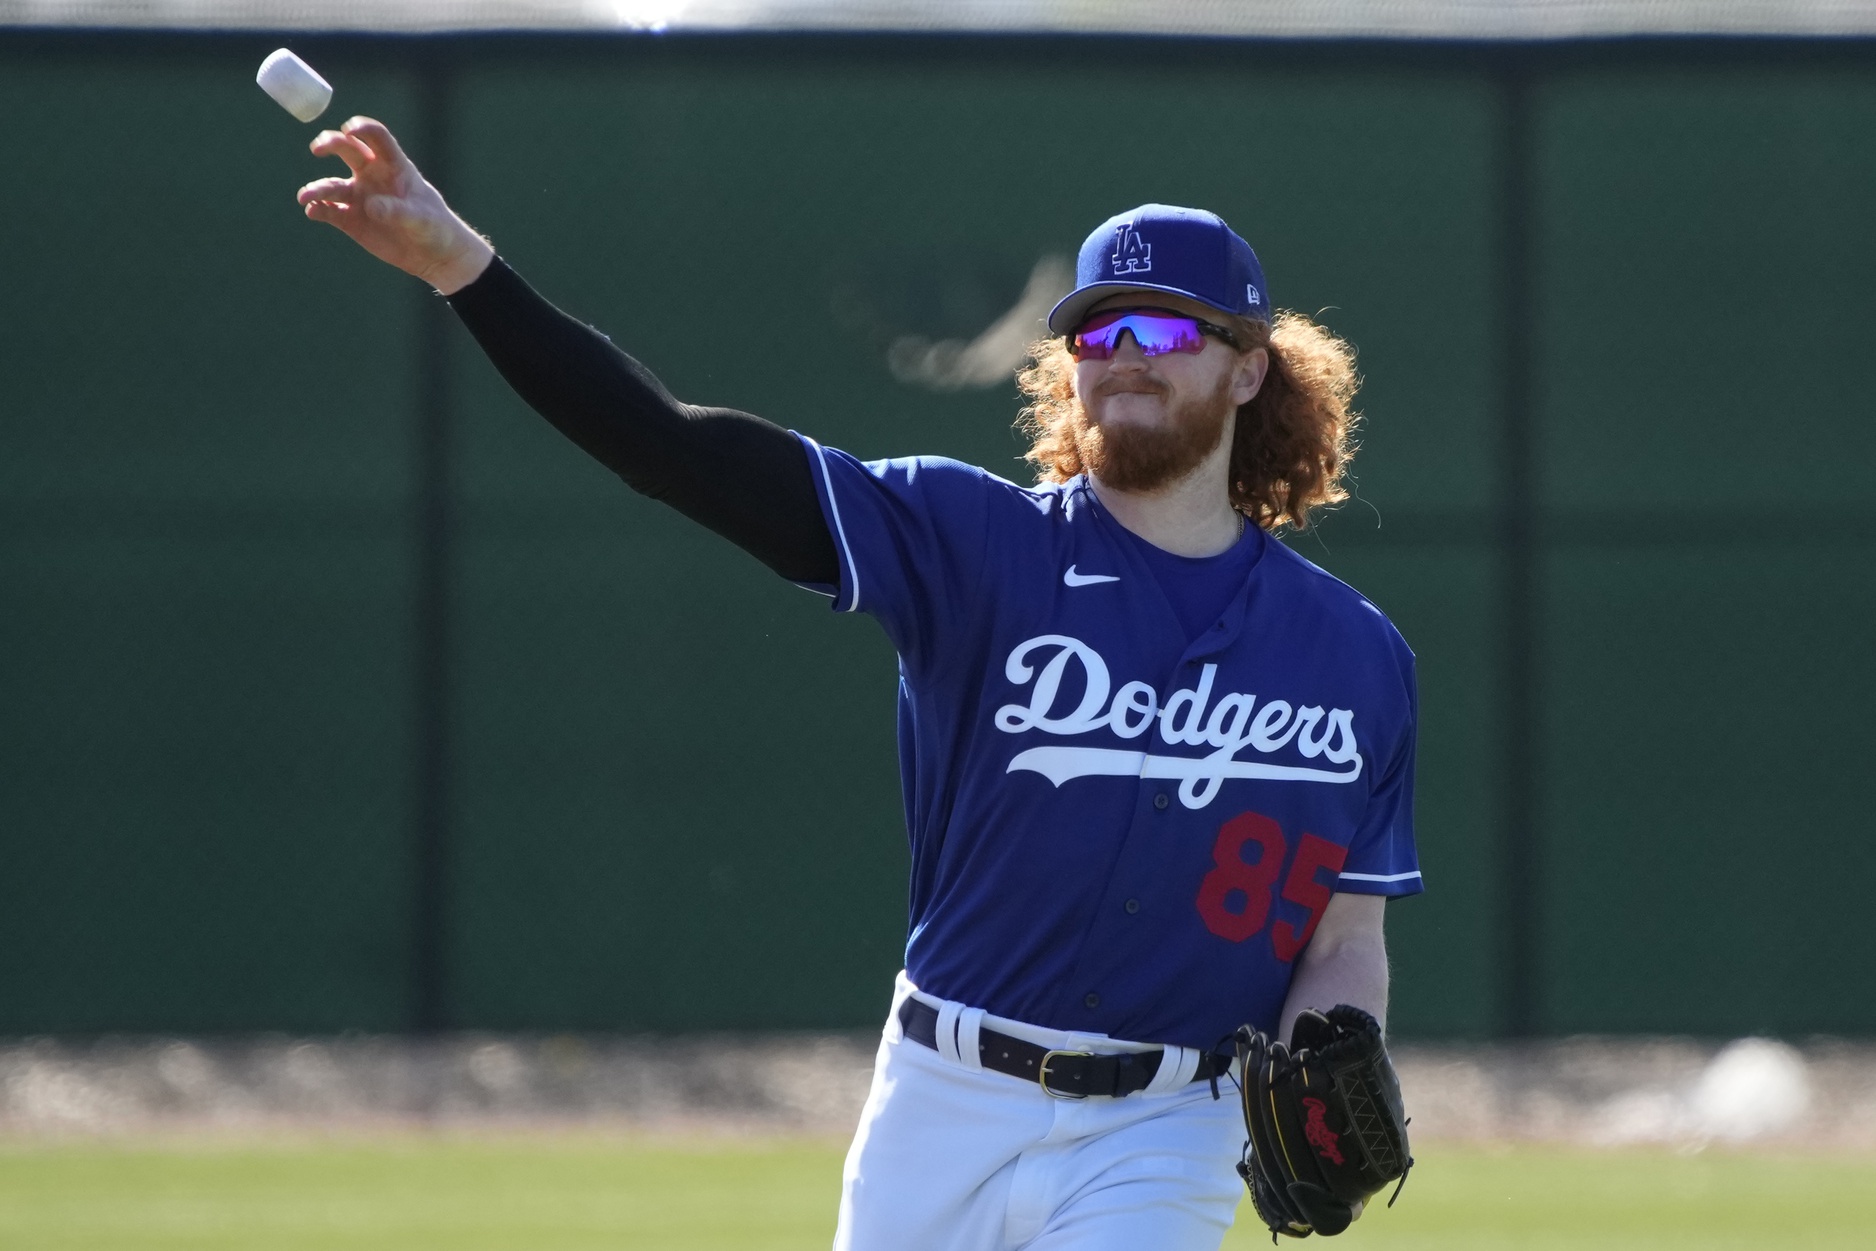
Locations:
column 1325, row 1122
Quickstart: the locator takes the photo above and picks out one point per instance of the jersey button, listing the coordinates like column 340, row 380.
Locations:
column 1133, row 905
column 1161, row 800
column 1093, row 1000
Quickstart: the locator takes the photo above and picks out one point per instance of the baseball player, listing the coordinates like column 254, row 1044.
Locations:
column 1158, row 769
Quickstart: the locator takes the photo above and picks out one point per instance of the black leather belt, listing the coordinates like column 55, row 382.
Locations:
column 1064, row 1074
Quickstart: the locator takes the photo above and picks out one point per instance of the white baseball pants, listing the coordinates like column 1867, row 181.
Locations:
column 950, row 1156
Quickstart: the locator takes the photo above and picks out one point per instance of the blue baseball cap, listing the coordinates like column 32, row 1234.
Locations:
column 1176, row 251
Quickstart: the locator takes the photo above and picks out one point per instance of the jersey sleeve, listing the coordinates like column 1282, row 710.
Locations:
column 1382, row 858
column 910, row 535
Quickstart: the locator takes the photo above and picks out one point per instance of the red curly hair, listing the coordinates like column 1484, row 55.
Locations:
column 1294, row 439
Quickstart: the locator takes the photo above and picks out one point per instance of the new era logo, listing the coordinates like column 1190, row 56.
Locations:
column 1132, row 254
column 1250, row 294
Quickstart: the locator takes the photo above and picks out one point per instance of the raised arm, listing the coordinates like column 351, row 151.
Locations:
column 745, row 478
column 388, row 209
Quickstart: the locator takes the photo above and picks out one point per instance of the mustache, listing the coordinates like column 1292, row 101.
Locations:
column 1137, row 384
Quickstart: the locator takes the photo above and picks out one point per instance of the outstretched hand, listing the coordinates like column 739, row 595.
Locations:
column 389, row 210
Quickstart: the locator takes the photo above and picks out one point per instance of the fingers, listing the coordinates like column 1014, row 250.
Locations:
column 335, row 190
column 344, row 216
column 376, row 136
column 349, row 210
column 335, row 143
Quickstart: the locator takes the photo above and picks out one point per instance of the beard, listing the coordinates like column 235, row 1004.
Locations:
column 1128, row 456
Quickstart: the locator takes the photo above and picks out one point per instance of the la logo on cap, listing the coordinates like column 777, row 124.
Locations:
column 1184, row 252
column 1132, row 254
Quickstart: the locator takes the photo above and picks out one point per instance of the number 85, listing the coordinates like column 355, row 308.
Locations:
column 1235, row 898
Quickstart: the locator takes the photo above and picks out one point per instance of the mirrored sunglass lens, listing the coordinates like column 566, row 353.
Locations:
column 1096, row 345
column 1170, row 334
column 1095, row 340
column 1156, row 334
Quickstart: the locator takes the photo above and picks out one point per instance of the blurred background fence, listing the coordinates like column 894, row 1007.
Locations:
column 337, row 692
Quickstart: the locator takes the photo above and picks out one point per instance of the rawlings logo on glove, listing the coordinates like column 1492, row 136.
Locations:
column 1320, row 1136
column 1325, row 1123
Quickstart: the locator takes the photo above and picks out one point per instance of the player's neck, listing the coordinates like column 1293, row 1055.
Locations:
column 1191, row 516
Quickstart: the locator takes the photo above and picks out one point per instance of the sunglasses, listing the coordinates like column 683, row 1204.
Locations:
column 1156, row 330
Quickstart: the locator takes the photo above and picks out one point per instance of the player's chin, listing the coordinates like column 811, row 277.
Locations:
column 1130, row 408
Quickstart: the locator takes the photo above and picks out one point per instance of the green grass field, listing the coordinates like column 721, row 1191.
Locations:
column 571, row 1193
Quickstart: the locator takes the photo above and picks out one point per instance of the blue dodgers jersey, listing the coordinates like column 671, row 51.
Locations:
column 1113, row 828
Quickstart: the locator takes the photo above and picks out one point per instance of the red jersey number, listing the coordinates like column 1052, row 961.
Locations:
column 1304, row 887
column 1235, row 898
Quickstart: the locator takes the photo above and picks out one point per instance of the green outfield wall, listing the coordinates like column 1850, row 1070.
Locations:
column 338, row 692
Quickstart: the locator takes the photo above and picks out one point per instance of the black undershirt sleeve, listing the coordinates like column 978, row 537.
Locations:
column 745, row 478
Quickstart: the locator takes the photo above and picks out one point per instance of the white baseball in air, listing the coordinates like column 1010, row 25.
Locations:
column 294, row 85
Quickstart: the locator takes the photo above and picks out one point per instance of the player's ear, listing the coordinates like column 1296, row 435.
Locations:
column 1249, row 379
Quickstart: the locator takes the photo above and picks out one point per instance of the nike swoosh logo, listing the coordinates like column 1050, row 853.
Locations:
column 1071, row 578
